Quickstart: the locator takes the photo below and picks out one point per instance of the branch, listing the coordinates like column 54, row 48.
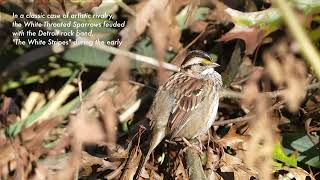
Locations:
column 270, row 19
column 144, row 59
column 194, row 165
column 226, row 93
column 245, row 118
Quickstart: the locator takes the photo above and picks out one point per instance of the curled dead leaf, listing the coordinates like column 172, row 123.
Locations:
column 251, row 90
column 233, row 140
column 293, row 173
column 287, row 71
column 252, row 36
column 233, row 168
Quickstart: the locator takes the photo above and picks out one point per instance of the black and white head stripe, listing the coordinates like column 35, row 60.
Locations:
column 195, row 57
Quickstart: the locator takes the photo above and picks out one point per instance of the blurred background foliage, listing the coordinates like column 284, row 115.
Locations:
column 262, row 48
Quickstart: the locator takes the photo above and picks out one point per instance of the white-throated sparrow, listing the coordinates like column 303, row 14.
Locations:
column 186, row 105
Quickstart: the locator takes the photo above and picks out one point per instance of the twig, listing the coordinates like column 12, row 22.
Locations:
column 308, row 50
column 80, row 85
column 225, row 93
column 245, row 118
column 235, row 120
column 131, row 55
column 126, row 7
column 123, row 117
column 58, row 100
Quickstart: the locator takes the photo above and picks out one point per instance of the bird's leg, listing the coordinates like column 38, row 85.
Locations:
column 190, row 145
column 170, row 142
column 202, row 146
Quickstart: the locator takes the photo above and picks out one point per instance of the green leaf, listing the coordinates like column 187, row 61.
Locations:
column 16, row 128
column 89, row 56
column 307, row 6
column 279, row 155
column 308, row 153
column 144, row 47
column 199, row 14
column 110, row 6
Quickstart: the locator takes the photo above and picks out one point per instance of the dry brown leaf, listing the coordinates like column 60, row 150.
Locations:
column 109, row 117
column 116, row 173
column 132, row 164
column 49, row 6
column 293, row 173
column 22, row 152
column 155, row 176
column 289, row 72
column 121, row 153
column 192, row 6
column 235, row 165
column 274, row 68
column 234, row 140
column 38, row 132
column 180, row 172
column 251, row 90
column 63, row 6
column 62, row 143
column 312, row 128
column 296, row 81
column 164, row 30
column 55, row 162
column 7, row 154
column 252, row 36
column 259, row 153
column 214, row 176
column 87, row 161
column 213, row 160
column 87, row 129
column 199, row 26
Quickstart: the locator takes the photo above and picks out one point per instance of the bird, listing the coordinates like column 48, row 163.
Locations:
column 186, row 104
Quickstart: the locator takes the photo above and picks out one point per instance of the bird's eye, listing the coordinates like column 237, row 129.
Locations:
column 187, row 67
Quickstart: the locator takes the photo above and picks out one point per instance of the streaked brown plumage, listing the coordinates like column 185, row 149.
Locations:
column 186, row 105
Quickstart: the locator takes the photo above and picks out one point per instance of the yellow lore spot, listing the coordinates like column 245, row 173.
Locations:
column 206, row 62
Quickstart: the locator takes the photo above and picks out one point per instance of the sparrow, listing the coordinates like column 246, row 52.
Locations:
column 186, row 105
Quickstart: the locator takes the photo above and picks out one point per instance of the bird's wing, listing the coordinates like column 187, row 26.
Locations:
column 189, row 96
column 160, row 109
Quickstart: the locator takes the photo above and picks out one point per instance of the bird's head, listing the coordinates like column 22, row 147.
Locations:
column 199, row 64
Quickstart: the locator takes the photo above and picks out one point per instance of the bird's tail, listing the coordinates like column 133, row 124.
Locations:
column 157, row 137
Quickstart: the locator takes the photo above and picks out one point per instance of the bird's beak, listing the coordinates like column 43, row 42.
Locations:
column 215, row 65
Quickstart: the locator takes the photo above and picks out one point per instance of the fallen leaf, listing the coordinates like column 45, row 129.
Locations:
column 293, row 173
column 252, row 36
column 233, row 140
column 235, row 166
column 180, row 172
column 252, row 27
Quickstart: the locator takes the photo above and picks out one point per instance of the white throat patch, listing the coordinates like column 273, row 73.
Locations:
column 207, row 71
